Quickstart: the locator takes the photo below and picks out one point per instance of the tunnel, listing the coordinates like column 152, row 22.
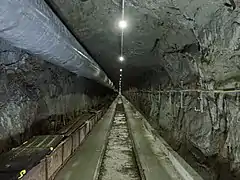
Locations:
column 120, row 89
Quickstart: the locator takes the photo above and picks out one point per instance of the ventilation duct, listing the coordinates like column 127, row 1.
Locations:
column 32, row 25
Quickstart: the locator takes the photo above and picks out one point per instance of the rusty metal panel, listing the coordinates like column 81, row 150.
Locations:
column 54, row 161
column 67, row 148
column 95, row 119
column 79, row 136
column 37, row 173
column 75, row 138
column 99, row 114
column 90, row 124
column 87, row 127
column 82, row 133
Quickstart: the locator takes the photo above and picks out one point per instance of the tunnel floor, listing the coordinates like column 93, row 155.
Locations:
column 119, row 160
column 119, row 148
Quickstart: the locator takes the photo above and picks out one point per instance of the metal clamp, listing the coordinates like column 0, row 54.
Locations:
column 200, row 98
column 200, row 104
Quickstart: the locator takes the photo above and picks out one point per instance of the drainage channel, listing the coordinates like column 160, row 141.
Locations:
column 119, row 161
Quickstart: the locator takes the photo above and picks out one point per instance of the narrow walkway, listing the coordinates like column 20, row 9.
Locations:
column 85, row 162
column 153, row 169
column 122, row 147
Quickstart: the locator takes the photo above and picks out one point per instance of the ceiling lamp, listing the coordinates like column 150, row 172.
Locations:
column 122, row 24
column 121, row 58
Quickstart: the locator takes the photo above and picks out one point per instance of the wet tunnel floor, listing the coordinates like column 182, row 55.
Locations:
column 119, row 161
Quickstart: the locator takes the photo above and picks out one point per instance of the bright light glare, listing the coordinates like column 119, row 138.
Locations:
column 121, row 58
column 120, row 70
column 122, row 24
column 120, row 75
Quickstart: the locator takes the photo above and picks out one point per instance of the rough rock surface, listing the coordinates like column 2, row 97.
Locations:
column 95, row 24
column 174, row 41
column 32, row 90
column 167, row 42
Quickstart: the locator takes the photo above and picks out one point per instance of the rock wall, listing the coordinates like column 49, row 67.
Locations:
column 32, row 90
column 208, row 140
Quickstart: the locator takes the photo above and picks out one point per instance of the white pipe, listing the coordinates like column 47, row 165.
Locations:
column 31, row 25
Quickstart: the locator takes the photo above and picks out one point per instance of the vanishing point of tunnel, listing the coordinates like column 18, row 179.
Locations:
column 120, row 89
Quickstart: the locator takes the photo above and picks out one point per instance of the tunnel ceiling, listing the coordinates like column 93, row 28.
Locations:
column 158, row 31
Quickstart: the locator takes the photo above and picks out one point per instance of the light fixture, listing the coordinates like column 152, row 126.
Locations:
column 121, row 58
column 122, row 24
column 120, row 70
column 120, row 75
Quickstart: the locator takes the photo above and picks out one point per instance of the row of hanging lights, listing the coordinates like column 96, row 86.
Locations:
column 122, row 24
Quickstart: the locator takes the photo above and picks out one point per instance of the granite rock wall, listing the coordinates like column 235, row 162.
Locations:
column 32, row 90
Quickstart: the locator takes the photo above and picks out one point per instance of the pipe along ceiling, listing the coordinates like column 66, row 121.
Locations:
column 32, row 26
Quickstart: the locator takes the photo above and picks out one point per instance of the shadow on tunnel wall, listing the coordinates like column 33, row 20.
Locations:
column 36, row 96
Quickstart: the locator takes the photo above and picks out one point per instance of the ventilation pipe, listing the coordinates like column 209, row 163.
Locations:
column 32, row 25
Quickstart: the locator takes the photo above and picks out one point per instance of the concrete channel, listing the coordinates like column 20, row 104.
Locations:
column 119, row 160
column 122, row 146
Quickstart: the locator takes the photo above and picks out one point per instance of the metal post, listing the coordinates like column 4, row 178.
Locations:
column 200, row 98
column 237, row 99
column 181, row 96
column 170, row 100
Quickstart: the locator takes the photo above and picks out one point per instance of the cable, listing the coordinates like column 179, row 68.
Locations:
column 194, row 90
column 122, row 33
column 121, row 50
column 123, row 8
